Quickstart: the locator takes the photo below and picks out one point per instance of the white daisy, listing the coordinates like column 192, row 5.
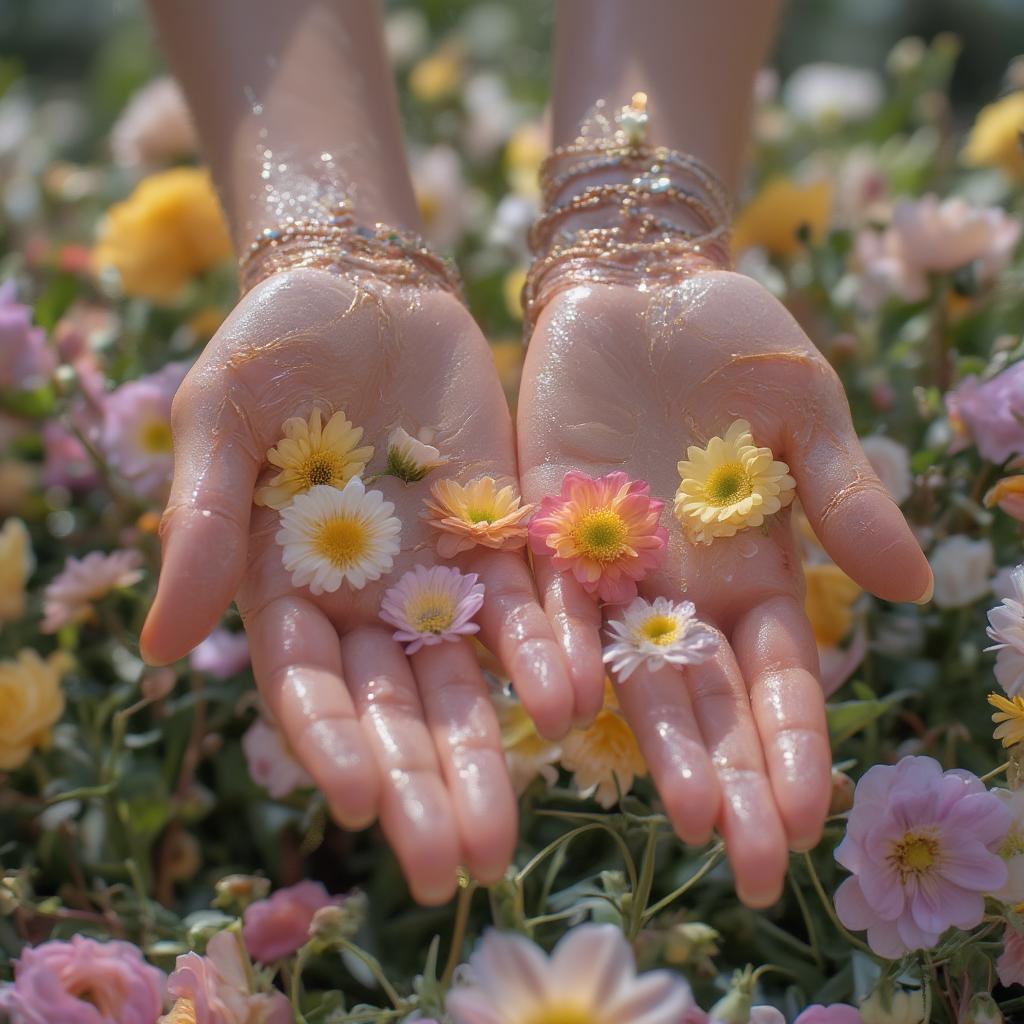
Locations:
column 658, row 633
column 331, row 535
column 410, row 458
column 1006, row 627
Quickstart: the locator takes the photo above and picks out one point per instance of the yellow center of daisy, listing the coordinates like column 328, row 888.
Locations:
column 659, row 629
column 561, row 1014
column 480, row 515
column 1013, row 845
column 321, row 467
column 601, row 535
column 915, row 853
column 431, row 613
column 341, row 541
column 728, row 484
column 156, row 437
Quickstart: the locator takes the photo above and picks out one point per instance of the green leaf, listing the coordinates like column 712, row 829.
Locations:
column 849, row 717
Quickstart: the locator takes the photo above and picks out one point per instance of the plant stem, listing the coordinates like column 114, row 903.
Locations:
column 466, row 891
column 830, row 910
column 712, row 859
column 373, row 964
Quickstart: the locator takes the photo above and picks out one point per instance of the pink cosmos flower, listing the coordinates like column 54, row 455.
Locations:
column 991, row 413
column 835, row 1013
column 26, row 360
column 70, row 596
column 222, row 654
column 84, row 982
column 1010, row 965
column 605, row 530
column 589, row 975
column 136, row 434
column 276, row 927
column 271, row 763
column 217, row 985
column 923, row 846
column 429, row 606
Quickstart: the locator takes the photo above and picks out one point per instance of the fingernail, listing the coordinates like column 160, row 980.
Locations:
column 928, row 591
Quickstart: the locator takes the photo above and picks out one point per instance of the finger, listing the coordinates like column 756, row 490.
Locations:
column 778, row 657
column 416, row 811
column 297, row 664
column 576, row 623
column 852, row 513
column 658, row 708
column 514, row 627
column 468, row 741
column 205, row 525
column 748, row 819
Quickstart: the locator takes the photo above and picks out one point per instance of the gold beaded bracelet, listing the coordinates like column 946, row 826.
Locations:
column 337, row 243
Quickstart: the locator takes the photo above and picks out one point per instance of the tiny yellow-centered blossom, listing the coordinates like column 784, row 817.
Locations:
column 169, row 230
column 994, row 141
column 1009, row 718
column 31, row 700
column 313, row 454
column 780, row 213
column 16, row 565
column 829, row 601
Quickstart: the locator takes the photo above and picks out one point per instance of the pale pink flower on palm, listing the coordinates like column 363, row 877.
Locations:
column 84, row 982
column 26, row 360
column 135, row 437
column 589, row 975
column 217, row 987
column 276, row 927
column 604, row 530
column 923, row 847
column 1010, row 965
column 271, row 762
column 70, row 596
column 430, row 606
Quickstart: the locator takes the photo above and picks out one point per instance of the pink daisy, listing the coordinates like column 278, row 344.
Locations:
column 923, row 846
column 70, row 595
column 605, row 530
column 432, row 605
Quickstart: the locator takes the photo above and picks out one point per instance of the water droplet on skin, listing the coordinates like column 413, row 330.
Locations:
column 748, row 548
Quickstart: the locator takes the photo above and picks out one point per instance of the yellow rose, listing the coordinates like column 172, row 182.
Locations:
column 994, row 140
column 829, row 602
column 777, row 215
column 16, row 565
column 31, row 700
column 167, row 231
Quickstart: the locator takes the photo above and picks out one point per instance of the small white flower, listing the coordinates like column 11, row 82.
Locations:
column 1006, row 627
column 411, row 459
column 891, row 461
column 832, row 93
column 658, row 633
column 963, row 571
column 331, row 535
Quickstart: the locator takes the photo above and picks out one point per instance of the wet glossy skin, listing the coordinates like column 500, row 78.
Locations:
column 620, row 379
column 411, row 740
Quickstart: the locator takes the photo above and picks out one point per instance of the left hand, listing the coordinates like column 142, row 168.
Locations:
column 619, row 379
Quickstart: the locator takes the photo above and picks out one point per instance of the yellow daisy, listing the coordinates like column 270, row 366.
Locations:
column 1009, row 718
column 310, row 455
column 730, row 486
column 604, row 752
column 994, row 140
column 476, row 513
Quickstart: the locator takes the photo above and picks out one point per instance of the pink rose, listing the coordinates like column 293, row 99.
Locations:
column 84, row 982
column 217, row 985
column 836, row 1013
column 991, row 412
column 276, row 927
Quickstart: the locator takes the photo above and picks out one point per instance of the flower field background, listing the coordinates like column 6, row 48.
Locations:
column 161, row 851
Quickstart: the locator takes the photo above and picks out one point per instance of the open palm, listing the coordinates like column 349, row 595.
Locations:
column 621, row 379
column 411, row 739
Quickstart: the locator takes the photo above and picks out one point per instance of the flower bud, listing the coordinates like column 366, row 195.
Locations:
column 339, row 921
column 983, row 1009
column 735, row 1006
column 158, row 684
column 842, row 793
column 692, row 942
column 236, row 892
column 893, row 1006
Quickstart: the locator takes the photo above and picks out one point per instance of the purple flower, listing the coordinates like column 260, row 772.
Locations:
column 136, row 434
column 84, row 982
column 429, row 606
column 26, row 360
column 991, row 412
column 222, row 654
column 923, row 848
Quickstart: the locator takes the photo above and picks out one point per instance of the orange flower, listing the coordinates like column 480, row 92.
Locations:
column 476, row 513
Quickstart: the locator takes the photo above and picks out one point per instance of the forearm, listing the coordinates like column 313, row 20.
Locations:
column 696, row 61
column 295, row 107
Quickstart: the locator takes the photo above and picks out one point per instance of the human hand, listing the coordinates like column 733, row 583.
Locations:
column 413, row 739
column 620, row 379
